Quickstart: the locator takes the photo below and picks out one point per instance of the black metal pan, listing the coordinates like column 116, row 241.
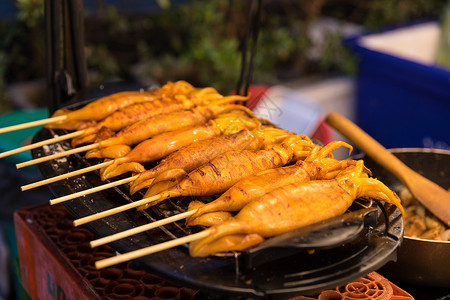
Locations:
column 419, row 262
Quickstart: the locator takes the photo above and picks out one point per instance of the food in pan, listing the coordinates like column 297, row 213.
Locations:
column 419, row 223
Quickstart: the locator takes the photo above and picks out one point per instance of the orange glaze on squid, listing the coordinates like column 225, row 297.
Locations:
column 101, row 108
column 318, row 165
column 160, row 124
column 164, row 144
column 188, row 158
column 141, row 117
column 294, row 206
column 226, row 169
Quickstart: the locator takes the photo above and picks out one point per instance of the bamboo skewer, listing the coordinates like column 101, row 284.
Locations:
column 67, row 175
column 56, row 155
column 42, row 143
column 92, row 190
column 139, row 229
column 115, row 210
column 151, row 249
column 32, row 124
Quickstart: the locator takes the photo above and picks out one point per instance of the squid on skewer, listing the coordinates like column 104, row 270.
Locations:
column 220, row 173
column 290, row 207
column 186, row 159
column 129, row 115
column 225, row 170
column 164, row 144
column 163, row 123
column 167, row 143
column 144, row 130
column 91, row 130
column 318, row 165
column 197, row 154
column 101, row 108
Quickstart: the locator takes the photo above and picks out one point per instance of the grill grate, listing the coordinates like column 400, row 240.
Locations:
column 294, row 274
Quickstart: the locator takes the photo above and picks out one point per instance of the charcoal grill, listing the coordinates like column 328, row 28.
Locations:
column 345, row 248
column 316, row 258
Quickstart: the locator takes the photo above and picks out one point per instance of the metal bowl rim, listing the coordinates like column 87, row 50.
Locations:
column 426, row 241
column 420, row 150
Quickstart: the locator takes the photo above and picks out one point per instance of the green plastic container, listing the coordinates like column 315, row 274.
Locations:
column 18, row 138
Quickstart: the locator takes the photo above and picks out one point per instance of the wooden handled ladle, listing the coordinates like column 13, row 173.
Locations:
column 432, row 196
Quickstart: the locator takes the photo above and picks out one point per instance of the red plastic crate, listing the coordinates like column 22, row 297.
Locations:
column 56, row 262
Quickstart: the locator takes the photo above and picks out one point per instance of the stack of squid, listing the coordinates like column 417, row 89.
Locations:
column 180, row 141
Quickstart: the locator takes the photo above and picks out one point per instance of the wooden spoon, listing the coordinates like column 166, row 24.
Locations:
column 432, row 196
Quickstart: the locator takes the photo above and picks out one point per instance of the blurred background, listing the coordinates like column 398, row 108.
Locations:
column 359, row 58
column 303, row 45
column 198, row 41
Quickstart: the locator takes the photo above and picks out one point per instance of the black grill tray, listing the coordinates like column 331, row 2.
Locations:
column 293, row 273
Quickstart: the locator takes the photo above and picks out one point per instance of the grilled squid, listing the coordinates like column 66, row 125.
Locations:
column 185, row 160
column 293, row 206
column 225, row 170
column 164, row 144
column 318, row 165
column 163, row 123
column 103, row 107
column 142, row 117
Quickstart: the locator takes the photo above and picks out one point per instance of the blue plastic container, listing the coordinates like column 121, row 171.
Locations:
column 401, row 103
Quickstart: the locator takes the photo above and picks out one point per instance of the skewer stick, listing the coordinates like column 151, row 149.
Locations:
column 32, row 124
column 107, row 262
column 67, row 175
column 92, row 190
column 42, row 143
column 115, row 210
column 57, row 155
column 142, row 228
